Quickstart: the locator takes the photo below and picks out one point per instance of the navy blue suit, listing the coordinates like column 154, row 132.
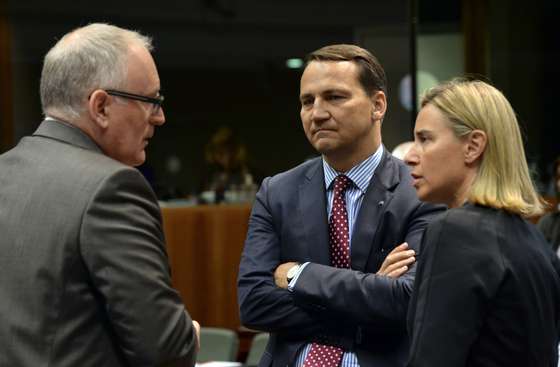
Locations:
column 352, row 308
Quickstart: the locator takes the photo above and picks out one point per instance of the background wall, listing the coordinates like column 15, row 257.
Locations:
column 222, row 62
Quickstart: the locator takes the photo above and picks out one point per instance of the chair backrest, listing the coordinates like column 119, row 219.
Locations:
column 258, row 345
column 217, row 344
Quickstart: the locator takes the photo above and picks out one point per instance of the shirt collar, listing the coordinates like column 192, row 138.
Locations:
column 360, row 174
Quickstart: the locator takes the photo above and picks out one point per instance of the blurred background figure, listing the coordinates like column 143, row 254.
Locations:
column 550, row 223
column 401, row 149
column 227, row 177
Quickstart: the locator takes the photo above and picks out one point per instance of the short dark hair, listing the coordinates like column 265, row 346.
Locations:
column 371, row 74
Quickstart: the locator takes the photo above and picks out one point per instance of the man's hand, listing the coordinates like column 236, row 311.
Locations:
column 197, row 331
column 281, row 274
column 397, row 262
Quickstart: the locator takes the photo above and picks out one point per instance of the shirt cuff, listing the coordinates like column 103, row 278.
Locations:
column 292, row 283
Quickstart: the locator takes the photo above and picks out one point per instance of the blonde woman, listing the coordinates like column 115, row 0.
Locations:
column 487, row 290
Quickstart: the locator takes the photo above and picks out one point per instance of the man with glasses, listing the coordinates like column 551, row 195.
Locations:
column 84, row 275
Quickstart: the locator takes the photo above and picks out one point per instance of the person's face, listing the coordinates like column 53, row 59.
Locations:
column 437, row 159
column 338, row 116
column 132, row 123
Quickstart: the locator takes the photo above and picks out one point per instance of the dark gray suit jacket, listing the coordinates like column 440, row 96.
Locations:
column 353, row 308
column 84, row 276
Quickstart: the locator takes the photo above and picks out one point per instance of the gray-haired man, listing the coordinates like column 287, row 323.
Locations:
column 84, row 276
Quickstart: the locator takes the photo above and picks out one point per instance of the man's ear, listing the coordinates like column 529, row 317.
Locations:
column 379, row 103
column 97, row 108
column 475, row 145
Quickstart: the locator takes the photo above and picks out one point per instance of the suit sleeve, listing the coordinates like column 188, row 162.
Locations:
column 262, row 305
column 365, row 298
column 123, row 248
column 460, row 271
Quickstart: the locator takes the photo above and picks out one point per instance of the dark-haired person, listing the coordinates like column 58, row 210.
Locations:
column 487, row 290
column 315, row 270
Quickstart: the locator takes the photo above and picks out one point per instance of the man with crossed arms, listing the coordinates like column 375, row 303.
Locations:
column 315, row 271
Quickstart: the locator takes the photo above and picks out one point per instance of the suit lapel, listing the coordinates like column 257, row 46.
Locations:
column 377, row 197
column 313, row 214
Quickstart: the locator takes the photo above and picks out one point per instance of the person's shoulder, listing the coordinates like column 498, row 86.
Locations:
column 98, row 166
column 297, row 174
column 464, row 232
column 465, row 220
column 394, row 174
column 92, row 170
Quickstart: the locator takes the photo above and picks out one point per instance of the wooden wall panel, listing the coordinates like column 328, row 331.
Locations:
column 204, row 244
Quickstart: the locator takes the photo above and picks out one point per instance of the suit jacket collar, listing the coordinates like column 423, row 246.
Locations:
column 313, row 212
column 67, row 133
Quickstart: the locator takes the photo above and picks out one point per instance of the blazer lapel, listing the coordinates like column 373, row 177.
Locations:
column 313, row 214
column 378, row 195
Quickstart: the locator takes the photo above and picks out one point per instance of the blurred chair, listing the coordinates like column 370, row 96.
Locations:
column 258, row 345
column 217, row 344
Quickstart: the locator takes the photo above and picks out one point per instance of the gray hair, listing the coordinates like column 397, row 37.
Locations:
column 88, row 58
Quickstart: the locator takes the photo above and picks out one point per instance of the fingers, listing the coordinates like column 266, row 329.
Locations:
column 397, row 273
column 281, row 274
column 399, row 256
column 398, row 261
column 403, row 246
column 398, row 268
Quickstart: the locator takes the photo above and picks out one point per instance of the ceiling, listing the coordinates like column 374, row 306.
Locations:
column 208, row 33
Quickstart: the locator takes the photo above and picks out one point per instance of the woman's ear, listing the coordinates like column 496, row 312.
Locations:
column 379, row 103
column 475, row 145
column 97, row 108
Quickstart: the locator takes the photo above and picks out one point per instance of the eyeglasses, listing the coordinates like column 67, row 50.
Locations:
column 155, row 101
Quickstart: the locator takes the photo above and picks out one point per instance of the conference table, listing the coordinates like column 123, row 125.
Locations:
column 204, row 244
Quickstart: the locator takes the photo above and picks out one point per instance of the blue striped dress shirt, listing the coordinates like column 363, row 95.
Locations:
column 360, row 175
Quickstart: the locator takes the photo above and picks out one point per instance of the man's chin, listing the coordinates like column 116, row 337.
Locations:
column 324, row 147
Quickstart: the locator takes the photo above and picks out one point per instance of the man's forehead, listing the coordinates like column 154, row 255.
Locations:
column 142, row 71
column 329, row 75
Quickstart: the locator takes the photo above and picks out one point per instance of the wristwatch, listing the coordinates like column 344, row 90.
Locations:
column 292, row 272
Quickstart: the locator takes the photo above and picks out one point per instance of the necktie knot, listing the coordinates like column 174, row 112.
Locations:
column 341, row 183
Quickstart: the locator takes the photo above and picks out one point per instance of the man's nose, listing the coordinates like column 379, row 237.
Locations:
column 319, row 112
column 158, row 118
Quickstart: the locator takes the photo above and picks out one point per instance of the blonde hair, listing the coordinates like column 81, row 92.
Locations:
column 503, row 180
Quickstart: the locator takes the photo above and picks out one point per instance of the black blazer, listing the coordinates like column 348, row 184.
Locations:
column 487, row 293
column 353, row 308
